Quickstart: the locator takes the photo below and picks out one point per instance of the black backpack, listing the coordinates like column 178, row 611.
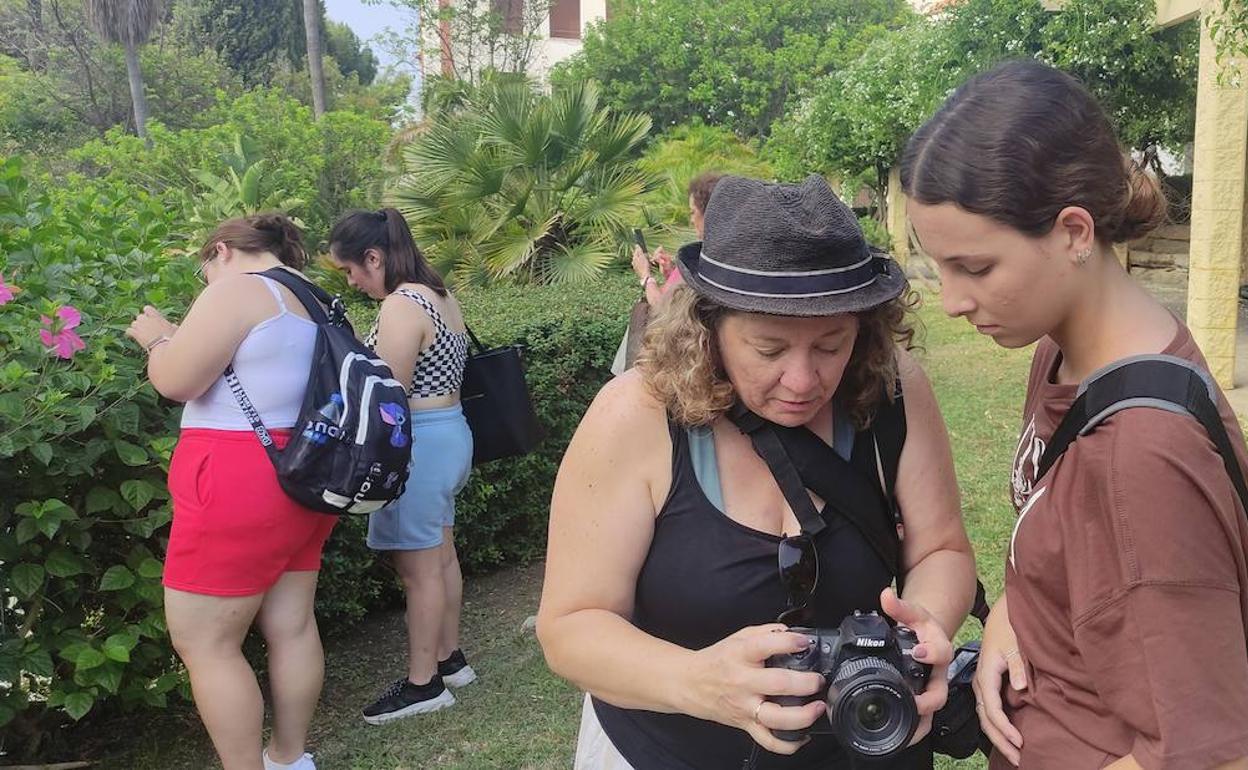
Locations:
column 349, row 450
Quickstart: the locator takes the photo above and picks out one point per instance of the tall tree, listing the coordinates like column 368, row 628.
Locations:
column 258, row 39
column 736, row 63
column 352, row 55
column 316, row 70
column 130, row 23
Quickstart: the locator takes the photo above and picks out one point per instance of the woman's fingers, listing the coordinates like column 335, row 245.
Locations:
column 762, row 642
column 991, row 710
column 782, row 681
column 773, row 716
column 765, row 739
column 934, row 697
column 1018, row 670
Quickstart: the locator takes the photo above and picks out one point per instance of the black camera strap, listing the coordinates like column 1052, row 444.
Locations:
column 800, row 460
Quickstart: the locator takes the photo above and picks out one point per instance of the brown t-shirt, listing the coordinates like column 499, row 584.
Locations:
column 1126, row 584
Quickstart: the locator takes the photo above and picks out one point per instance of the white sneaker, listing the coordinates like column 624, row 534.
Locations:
column 455, row 671
column 302, row 763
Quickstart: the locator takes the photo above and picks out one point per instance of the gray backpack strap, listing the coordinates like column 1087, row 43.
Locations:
column 1158, row 382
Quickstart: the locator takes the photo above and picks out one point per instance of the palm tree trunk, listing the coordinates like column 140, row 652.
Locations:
column 312, row 27
column 36, row 51
column 136, row 92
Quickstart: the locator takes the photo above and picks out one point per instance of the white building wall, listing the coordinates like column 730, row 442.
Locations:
column 553, row 50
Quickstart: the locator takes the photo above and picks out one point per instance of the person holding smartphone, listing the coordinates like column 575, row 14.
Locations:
column 700, row 189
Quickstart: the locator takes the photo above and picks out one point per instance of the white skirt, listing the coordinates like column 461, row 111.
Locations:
column 594, row 750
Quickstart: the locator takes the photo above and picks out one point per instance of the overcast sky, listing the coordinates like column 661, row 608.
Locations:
column 366, row 21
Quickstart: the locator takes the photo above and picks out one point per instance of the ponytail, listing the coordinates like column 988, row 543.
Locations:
column 387, row 232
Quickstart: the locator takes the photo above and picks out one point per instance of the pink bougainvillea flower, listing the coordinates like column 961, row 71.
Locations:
column 59, row 334
column 6, row 291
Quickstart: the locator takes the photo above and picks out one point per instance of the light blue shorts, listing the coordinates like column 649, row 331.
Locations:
column 441, row 461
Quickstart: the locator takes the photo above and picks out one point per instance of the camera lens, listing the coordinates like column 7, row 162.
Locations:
column 871, row 708
column 872, row 712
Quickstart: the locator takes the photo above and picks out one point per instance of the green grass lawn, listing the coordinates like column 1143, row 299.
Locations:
column 519, row 715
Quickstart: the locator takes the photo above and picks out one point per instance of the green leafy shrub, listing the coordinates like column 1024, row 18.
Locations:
column 682, row 153
column 735, row 63
column 83, row 449
column 329, row 165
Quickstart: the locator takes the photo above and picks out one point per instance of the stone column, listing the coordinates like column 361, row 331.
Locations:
column 1218, row 179
column 898, row 224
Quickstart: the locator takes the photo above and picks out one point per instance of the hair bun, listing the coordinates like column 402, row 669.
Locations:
column 1144, row 206
column 287, row 241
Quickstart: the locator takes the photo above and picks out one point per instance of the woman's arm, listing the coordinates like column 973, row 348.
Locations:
column 199, row 350
column 614, row 477
column 601, row 523
column 403, row 330
column 936, row 553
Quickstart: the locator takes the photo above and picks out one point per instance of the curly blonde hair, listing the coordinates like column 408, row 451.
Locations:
column 681, row 364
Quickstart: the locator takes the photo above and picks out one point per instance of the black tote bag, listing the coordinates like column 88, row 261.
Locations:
column 496, row 403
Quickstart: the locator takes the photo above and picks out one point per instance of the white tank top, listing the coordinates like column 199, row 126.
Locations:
column 272, row 363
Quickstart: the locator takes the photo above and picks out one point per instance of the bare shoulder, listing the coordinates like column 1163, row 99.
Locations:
column 397, row 309
column 625, row 417
column 241, row 296
column 915, row 385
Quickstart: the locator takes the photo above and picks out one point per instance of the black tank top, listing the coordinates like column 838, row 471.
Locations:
column 706, row 577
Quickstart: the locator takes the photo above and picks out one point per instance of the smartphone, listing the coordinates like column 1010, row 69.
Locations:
column 640, row 240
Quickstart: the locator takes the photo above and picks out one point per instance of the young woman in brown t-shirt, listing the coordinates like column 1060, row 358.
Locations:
column 1123, row 644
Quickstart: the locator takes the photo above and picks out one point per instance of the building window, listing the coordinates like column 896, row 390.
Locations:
column 512, row 13
column 565, row 19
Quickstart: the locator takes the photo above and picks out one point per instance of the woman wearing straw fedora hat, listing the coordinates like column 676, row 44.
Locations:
column 672, row 546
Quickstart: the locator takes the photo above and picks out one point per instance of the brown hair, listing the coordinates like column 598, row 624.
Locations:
column 387, row 232
column 1023, row 141
column 271, row 232
column 681, row 365
column 701, row 187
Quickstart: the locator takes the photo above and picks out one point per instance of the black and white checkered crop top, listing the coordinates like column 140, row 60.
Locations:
column 440, row 367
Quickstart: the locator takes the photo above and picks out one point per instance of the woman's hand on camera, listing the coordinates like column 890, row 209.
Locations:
column 998, row 658
column 731, row 684
column 934, row 649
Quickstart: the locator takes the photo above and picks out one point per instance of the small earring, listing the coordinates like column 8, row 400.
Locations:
column 1083, row 256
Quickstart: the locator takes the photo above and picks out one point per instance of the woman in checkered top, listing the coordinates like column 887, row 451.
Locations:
column 420, row 333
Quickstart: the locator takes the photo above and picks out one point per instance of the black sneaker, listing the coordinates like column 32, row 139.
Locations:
column 403, row 699
column 455, row 670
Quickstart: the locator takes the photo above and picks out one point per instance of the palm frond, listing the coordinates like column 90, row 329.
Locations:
column 513, row 247
column 577, row 263
column 612, row 200
column 441, row 154
column 128, row 22
column 620, row 137
column 575, row 112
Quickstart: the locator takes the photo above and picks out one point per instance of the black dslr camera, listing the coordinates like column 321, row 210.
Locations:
column 872, row 679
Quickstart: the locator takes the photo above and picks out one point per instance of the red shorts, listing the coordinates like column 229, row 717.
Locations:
column 234, row 530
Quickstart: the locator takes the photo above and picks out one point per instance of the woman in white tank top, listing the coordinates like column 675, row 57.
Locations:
column 241, row 551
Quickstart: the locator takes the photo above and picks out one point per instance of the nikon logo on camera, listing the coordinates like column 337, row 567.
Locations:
column 861, row 642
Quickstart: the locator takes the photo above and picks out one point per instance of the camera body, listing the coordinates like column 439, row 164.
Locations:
column 872, row 678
